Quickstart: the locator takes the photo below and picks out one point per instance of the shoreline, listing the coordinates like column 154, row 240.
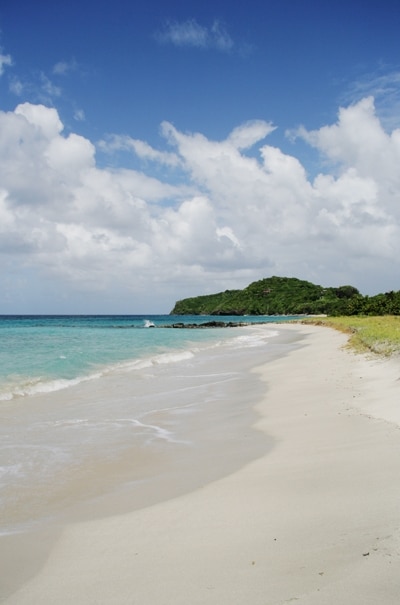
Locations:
column 314, row 519
column 192, row 451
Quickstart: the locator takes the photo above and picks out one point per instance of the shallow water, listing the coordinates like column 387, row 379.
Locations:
column 47, row 353
column 173, row 409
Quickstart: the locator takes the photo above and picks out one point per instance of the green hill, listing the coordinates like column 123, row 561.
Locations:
column 290, row 296
column 273, row 296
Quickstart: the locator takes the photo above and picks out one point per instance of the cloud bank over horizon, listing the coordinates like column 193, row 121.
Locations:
column 198, row 216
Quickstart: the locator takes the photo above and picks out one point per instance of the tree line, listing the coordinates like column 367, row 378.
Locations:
column 290, row 296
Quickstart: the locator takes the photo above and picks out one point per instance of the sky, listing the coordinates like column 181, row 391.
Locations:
column 154, row 151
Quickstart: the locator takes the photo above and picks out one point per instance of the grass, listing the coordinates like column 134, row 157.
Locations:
column 379, row 334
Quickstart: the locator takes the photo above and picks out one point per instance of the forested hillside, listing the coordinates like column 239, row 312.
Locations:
column 289, row 296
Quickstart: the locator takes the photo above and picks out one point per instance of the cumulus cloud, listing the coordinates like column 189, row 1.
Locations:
column 248, row 134
column 357, row 139
column 384, row 87
column 41, row 119
column 192, row 34
column 140, row 148
column 140, row 242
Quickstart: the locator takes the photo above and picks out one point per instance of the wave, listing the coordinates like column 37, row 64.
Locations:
column 25, row 387
column 22, row 386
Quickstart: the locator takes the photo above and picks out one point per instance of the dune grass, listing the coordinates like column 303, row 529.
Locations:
column 380, row 334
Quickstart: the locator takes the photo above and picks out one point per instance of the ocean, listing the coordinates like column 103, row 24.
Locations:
column 100, row 414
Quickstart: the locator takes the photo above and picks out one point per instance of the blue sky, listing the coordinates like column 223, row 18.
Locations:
column 154, row 151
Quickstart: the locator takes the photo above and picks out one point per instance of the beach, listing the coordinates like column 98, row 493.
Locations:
column 313, row 519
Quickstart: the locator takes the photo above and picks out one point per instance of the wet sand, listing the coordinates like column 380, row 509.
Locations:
column 313, row 520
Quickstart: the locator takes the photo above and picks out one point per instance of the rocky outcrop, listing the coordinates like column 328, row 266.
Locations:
column 207, row 324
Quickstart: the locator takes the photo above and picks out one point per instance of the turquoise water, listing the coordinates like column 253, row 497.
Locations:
column 90, row 405
column 43, row 353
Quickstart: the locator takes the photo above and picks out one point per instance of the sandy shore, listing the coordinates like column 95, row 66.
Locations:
column 315, row 521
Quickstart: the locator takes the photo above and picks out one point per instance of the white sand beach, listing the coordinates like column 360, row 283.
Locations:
column 315, row 521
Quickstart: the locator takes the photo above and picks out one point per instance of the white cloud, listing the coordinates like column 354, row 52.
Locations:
column 41, row 119
column 79, row 115
column 377, row 85
column 69, row 157
column 248, row 134
column 220, row 37
column 40, row 88
column 6, row 215
column 60, row 68
column 140, row 148
column 228, row 233
column 135, row 240
column 16, row 87
column 63, row 67
column 49, row 89
column 384, row 87
column 192, row 34
column 357, row 139
column 5, row 61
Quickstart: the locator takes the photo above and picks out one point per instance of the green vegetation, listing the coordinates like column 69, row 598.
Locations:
column 290, row 296
column 373, row 322
column 377, row 334
column 273, row 296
